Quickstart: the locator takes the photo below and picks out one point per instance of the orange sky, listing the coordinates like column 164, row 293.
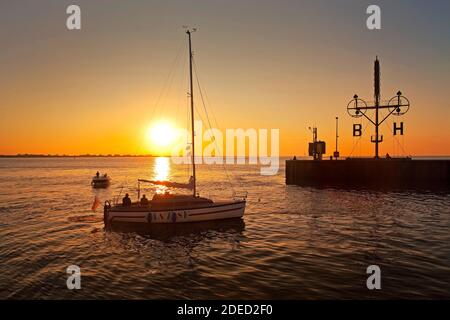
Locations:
column 286, row 65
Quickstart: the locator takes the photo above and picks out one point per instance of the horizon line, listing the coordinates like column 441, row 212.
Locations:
column 125, row 155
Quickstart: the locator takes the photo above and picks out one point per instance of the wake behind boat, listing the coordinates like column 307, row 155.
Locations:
column 175, row 208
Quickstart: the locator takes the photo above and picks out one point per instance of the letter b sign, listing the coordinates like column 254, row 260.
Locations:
column 357, row 130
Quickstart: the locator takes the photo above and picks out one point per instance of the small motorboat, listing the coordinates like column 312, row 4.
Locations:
column 100, row 181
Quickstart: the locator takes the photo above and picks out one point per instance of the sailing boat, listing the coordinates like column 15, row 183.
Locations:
column 171, row 208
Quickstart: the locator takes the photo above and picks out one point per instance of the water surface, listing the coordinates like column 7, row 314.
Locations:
column 293, row 243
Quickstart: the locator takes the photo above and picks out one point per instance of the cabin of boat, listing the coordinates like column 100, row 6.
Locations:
column 176, row 201
column 167, row 201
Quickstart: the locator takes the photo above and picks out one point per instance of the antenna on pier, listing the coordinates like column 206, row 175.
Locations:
column 336, row 152
column 397, row 106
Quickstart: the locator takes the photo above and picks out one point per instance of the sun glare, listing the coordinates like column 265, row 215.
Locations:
column 161, row 136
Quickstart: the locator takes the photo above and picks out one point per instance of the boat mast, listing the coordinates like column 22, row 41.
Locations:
column 188, row 31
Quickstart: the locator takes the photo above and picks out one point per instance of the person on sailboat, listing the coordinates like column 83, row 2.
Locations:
column 126, row 201
column 191, row 181
column 144, row 201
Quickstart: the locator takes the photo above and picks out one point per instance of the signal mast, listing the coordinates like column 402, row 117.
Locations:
column 397, row 106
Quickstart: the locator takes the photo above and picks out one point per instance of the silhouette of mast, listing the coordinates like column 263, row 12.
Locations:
column 336, row 152
column 191, row 94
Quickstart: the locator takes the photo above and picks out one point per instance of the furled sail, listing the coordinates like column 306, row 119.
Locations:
column 170, row 184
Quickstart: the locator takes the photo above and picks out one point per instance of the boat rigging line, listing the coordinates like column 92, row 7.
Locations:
column 230, row 179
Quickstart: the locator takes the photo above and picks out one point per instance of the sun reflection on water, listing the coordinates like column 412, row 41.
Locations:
column 161, row 171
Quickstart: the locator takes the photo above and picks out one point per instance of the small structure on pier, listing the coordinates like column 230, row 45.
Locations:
column 316, row 149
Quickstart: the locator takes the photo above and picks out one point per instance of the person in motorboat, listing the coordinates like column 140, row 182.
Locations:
column 126, row 201
column 144, row 201
column 97, row 174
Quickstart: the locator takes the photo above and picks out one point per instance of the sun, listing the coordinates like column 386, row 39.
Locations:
column 161, row 136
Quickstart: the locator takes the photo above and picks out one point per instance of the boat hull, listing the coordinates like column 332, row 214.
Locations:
column 226, row 210
column 100, row 182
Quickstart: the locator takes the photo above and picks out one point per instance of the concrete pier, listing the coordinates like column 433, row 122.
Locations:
column 369, row 172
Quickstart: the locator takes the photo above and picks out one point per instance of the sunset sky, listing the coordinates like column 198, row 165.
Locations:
column 263, row 64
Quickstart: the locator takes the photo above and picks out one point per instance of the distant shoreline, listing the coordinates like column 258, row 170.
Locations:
column 77, row 156
column 33, row 156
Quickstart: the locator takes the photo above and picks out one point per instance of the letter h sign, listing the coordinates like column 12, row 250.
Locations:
column 398, row 128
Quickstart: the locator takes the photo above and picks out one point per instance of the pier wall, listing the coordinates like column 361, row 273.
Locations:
column 362, row 172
